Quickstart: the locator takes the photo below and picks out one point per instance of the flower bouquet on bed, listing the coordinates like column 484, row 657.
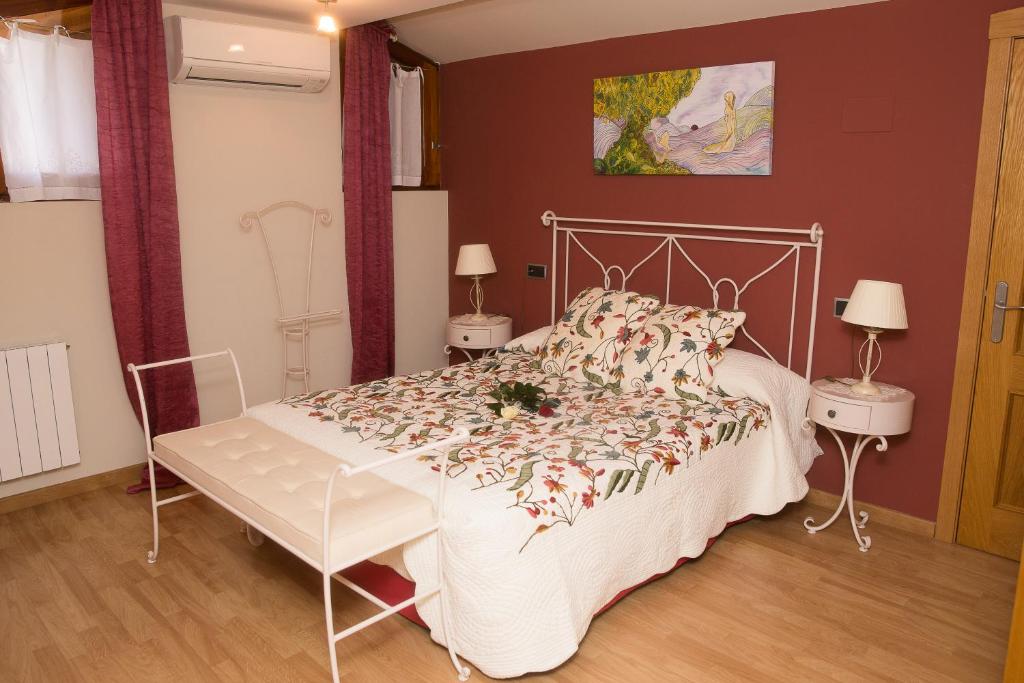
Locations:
column 513, row 398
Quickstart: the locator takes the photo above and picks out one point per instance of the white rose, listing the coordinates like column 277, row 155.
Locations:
column 509, row 412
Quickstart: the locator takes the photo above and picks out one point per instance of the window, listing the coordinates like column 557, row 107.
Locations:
column 408, row 58
column 47, row 106
column 405, row 109
column 431, row 106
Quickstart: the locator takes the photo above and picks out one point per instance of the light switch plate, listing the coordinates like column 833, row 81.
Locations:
column 839, row 306
column 536, row 270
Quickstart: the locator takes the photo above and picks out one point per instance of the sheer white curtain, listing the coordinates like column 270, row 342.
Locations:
column 405, row 107
column 48, row 117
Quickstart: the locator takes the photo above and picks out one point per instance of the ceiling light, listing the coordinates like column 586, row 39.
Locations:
column 236, row 47
column 326, row 23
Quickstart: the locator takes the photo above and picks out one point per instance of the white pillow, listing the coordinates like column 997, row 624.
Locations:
column 741, row 373
column 784, row 392
column 531, row 342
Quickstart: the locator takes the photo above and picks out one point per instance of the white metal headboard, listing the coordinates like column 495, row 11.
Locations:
column 673, row 240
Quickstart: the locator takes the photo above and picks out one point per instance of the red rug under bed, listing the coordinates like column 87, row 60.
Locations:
column 391, row 587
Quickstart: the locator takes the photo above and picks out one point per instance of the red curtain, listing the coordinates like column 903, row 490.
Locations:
column 140, row 210
column 369, row 250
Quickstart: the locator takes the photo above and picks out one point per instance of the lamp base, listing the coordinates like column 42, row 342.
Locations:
column 865, row 388
column 476, row 297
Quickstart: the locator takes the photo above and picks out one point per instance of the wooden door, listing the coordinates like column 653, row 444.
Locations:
column 992, row 505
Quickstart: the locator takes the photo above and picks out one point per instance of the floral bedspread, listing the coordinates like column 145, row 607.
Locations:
column 549, row 518
column 599, row 444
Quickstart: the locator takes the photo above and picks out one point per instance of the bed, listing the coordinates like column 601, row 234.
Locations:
column 549, row 519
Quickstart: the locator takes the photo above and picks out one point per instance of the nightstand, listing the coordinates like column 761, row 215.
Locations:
column 837, row 408
column 466, row 334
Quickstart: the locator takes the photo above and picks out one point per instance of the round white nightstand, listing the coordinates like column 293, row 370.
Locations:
column 465, row 333
column 837, row 408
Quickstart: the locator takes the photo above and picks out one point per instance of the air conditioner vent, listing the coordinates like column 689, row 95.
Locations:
column 243, row 78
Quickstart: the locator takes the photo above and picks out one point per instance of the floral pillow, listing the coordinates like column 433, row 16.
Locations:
column 588, row 342
column 677, row 350
column 531, row 342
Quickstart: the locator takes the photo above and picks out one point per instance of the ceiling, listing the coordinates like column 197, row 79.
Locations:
column 449, row 31
column 477, row 28
column 347, row 12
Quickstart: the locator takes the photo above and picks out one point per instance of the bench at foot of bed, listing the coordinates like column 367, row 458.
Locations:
column 326, row 512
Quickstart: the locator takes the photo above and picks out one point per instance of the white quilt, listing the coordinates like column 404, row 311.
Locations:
column 548, row 518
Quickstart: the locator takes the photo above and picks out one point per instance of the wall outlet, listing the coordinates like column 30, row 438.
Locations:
column 839, row 307
column 536, row 270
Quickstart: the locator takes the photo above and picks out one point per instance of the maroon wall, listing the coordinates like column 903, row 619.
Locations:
column 895, row 205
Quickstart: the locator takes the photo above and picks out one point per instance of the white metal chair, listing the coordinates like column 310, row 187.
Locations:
column 199, row 458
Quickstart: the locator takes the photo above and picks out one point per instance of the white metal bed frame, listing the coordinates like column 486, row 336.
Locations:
column 324, row 566
column 671, row 240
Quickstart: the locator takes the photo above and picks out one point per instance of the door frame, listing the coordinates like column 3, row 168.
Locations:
column 1004, row 28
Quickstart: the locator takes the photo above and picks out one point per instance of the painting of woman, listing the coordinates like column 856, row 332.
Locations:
column 728, row 142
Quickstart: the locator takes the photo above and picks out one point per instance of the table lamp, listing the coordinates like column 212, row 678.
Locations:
column 475, row 260
column 875, row 306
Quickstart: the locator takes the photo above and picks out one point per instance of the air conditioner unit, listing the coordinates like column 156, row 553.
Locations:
column 240, row 56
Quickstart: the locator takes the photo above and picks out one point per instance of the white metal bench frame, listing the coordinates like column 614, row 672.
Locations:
column 324, row 566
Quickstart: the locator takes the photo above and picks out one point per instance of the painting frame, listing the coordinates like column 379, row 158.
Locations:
column 717, row 120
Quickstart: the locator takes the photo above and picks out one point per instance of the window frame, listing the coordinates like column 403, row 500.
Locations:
column 407, row 57
column 22, row 8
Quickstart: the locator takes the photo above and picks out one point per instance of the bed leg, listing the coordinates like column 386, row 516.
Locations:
column 329, row 613
column 151, row 555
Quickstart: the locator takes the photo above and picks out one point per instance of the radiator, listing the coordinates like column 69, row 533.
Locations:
column 37, row 415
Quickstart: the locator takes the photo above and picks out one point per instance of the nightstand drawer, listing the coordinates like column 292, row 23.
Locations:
column 830, row 412
column 472, row 337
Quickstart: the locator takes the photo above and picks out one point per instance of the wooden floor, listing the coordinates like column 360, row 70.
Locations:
column 768, row 602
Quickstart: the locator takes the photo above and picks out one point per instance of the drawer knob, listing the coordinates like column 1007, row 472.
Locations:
column 465, row 337
column 832, row 413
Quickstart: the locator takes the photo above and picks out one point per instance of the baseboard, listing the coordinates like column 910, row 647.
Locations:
column 20, row 501
column 882, row 515
column 129, row 474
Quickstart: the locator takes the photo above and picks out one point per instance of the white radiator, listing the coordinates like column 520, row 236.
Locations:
column 37, row 416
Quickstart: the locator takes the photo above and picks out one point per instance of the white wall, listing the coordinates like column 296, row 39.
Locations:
column 421, row 280
column 53, row 287
column 235, row 150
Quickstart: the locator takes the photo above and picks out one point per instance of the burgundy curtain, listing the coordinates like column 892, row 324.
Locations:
column 369, row 251
column 140, row 210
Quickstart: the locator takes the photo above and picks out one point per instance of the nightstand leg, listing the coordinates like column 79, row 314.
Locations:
column 847, row 478
column 863, row 542
column 857, row 520
column 448, row 351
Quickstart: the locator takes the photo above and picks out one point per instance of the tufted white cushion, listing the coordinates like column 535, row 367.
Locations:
column 280, row 483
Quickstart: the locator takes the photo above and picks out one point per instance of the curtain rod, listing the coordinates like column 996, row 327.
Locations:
column 13, row 23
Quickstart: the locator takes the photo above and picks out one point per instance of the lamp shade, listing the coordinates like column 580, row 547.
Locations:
column 877, row 304
column 475, row 259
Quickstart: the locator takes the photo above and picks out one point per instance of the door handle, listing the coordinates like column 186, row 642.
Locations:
column 999, row 309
